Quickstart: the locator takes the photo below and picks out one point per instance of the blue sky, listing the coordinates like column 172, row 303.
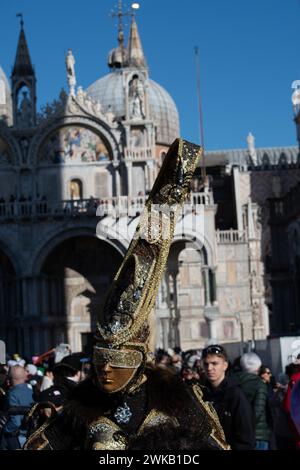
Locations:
column 249, row 55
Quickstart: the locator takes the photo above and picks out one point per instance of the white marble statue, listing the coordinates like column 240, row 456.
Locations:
column 136, row 99
column 251, row 147
column 25, row 111
column 71, row 77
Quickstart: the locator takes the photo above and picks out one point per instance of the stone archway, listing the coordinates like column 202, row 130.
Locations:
column 10, row 306
column 183, row 295
column 72, row 284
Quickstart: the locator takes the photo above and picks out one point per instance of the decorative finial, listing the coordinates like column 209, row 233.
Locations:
column 120, row 16
column 251, row 147
column 119, row 54
column 20, row 15
column 250, row 141
column 296, row 96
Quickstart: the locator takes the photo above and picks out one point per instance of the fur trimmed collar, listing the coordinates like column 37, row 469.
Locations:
column 166, row 392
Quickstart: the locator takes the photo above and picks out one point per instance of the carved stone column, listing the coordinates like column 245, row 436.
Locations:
column 164, row 332
column 175, row 318
column 117, row 179
column 129, row 178
column 206, row 282
column 150, row 175
column 211, row 314
column 214, row 300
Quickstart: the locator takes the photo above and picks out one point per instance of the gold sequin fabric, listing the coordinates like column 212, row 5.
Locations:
column 104, row 434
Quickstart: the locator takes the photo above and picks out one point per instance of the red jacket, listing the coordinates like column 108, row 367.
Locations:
column 287, row 406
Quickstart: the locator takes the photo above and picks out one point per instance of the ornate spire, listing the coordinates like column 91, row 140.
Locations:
column 136, row 56
column 23, row 85
column 23, row 66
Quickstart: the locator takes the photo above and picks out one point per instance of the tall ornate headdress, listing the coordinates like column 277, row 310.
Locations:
column 123, row 323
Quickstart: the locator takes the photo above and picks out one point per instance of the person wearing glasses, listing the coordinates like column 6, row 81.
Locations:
column 224, row 393
column 265, row 374
column 267, row 377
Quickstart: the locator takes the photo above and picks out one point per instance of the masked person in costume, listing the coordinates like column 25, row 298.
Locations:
column 124, row 398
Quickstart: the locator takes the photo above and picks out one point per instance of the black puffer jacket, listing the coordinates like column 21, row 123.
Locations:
column 257, row 393
column 234, row 413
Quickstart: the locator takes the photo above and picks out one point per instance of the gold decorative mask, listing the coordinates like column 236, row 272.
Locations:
column 123, row 358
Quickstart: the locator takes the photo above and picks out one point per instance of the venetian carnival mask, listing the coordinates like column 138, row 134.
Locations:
column 115, row 368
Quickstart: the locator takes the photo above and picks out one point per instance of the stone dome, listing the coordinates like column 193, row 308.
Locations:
column 5, row 98
column 109, row 91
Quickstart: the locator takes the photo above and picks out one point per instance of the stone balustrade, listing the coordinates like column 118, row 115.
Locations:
column 231, row 236
column 139, row 153
column 121, row 205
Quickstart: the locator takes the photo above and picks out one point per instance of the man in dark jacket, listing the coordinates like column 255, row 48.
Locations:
column 230, row 403
column 67, row 374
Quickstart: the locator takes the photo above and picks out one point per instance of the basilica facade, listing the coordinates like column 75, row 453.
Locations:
column 74, row 180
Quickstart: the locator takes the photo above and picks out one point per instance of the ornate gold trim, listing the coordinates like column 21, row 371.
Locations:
column 38, row 434
column 155, row 415
column 109, row 441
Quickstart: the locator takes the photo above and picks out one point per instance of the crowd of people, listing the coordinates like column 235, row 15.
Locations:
column 255, row 410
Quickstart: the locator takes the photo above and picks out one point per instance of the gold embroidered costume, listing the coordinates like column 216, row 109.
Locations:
column 107, row 412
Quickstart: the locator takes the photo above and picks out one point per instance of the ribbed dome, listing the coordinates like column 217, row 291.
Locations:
column 5, row 97
column 109, row 91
